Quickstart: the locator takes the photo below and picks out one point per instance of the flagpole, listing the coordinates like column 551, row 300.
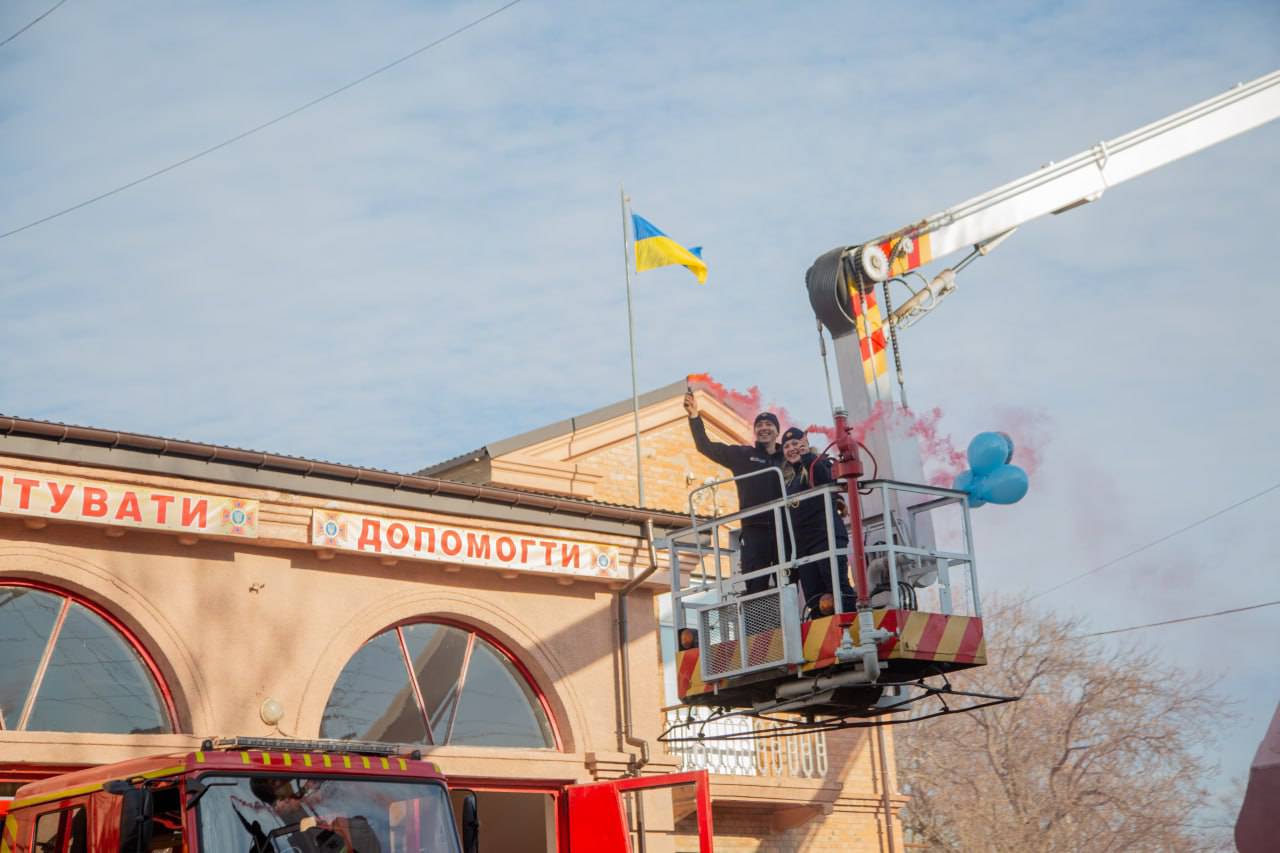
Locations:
column 631, row 341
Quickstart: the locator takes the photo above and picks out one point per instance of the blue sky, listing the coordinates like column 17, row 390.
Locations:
column 431, row 260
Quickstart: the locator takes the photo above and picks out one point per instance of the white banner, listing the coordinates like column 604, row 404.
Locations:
column 72, row 499
column 469, row 546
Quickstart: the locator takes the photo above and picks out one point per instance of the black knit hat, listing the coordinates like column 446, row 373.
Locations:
column 792, row 433
column 767, row 416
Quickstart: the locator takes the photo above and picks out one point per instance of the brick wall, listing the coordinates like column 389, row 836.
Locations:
column 850, row 828
column 672, row 468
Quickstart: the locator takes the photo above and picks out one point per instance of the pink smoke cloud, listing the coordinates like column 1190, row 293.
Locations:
column 1030, row 430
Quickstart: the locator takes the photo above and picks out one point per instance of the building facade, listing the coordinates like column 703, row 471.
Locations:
column 154, row 593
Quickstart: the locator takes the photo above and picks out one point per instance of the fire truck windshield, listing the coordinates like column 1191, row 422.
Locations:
column 299, row 814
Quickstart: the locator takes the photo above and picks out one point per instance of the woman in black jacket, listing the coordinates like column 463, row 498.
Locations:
column 802, row 471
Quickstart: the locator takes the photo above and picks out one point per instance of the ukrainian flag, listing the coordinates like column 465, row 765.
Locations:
column 655, row 249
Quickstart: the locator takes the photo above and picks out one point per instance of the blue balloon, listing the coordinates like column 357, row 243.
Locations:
column 988, row 451
column 1007, row 484
column 965, row 482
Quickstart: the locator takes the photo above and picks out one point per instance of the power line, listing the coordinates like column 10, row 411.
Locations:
column 47, row 13
column 1181, row 619
column 251, row 131
column 1145, row 625
column 1154, row 542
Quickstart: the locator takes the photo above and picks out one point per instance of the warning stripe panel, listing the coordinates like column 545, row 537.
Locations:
column 917, row 636
column 823, row 638
column 921, row 253
column 949, row 642
column 934, row 627
column 689, row 674
column 911, row 634
column 887, row 620
column 830, row 640
column 871, row 337
column 971, row 643
column 686, row 663
column 934, row 636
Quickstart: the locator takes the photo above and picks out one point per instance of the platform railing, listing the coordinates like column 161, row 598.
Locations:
column 907, row 567
column 719, row 604
column 776, row 510
column 796, row 756
column 713, row 598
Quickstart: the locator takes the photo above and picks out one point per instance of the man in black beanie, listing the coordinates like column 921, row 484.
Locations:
column 759, row 539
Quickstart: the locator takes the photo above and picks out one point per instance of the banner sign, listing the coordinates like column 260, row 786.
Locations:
column 73, row 499
column 468, row 546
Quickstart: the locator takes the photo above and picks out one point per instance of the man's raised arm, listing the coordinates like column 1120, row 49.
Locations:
column 722, row 454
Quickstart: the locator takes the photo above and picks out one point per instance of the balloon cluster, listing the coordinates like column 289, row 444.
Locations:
column 990, row 478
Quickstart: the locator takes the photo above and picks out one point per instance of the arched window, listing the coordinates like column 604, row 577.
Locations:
column 435, row 684
column 67, row 668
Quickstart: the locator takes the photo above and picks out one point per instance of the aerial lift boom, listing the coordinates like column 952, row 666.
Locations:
column 986, row 219
column 842, row 282
column 758, row 653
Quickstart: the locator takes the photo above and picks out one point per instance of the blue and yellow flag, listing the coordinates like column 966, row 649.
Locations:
column 655, row 249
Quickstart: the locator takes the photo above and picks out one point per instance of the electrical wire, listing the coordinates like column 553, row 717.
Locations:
column 47, row 13
column 1181, row 619
column 251, row 131
column 1155, row 542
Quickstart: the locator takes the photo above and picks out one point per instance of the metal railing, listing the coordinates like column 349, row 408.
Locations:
column 775, row 508
column 716, row 602
column 721, row 605
column 706, row 538
column 796, row 756
column 903, row 565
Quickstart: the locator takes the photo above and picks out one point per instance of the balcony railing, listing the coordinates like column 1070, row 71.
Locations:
column 797, row 756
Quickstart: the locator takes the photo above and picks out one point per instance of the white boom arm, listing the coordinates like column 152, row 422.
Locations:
column 1083, row 178
column 842, row 282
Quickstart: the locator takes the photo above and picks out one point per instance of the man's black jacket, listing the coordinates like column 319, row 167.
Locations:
column 741, row 459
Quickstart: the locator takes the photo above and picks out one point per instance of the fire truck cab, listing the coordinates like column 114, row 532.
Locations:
column 246, row 794
column 282, row 795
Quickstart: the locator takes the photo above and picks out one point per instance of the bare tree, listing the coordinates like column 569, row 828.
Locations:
column 1105, row 751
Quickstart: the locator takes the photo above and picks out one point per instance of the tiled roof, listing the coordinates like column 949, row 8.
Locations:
column 63, row 433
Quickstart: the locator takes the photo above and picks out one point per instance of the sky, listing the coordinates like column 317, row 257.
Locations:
column 432, row 260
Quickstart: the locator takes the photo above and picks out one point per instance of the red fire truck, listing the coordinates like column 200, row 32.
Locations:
column 276, row 795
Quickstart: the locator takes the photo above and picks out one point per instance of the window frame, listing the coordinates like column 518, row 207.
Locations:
column 474, row 632
column 62, row 834
column 195, row 822
column 126, row 634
